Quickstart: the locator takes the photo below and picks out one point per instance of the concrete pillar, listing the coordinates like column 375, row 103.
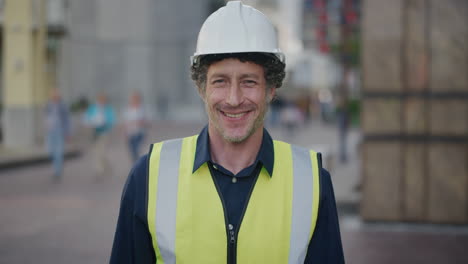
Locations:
column 415, row 111
column 24, row 92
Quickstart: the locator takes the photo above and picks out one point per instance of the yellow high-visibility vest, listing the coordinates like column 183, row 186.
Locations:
column 186, row 215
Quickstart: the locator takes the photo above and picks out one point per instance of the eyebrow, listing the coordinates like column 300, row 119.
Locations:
column 242, row 76
column 250, row 75
column 218, row 75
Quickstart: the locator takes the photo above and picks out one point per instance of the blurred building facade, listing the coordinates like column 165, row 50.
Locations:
column 316, row 36
column 83, row 47
column 142, row 45
column 28, row 66
column 415, row 113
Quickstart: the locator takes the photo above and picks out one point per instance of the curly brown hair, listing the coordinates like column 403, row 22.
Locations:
column 272, row 67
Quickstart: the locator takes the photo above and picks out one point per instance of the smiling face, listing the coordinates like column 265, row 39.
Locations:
column 236, row 99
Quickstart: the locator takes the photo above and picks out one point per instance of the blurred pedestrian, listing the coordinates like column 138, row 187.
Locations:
column 100, row 116
column 135, row 124
column 230, row 194
column 291, row 118
column 57, row 123
column 276, row 106
column 342, row 115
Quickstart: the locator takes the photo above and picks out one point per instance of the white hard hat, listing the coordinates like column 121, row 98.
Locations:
column 237, row 28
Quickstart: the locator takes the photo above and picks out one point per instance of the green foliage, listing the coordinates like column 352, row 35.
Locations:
column 349, row 50
column 79, row 105
column 354, row 108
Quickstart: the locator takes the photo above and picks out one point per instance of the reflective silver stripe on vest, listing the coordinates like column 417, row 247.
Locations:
column 166, row 203
column 301, row 204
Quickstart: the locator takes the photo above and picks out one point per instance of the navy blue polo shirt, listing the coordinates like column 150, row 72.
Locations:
column 132, row 241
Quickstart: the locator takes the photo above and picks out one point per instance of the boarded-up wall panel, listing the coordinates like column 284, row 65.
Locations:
column 383, row 166
column 382, row 25
column 449, row 45
column 415, row 110
column 449, row 117
column 382, row 62
column 414, row 181
column 382, row 59
column 415, row 116
column 416, row 47
column 448, row 180
column 381, row 116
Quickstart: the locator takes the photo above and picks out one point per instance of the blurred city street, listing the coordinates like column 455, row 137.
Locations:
column 73, row 221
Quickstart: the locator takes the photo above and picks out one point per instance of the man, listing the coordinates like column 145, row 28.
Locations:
column 57, row 123
column 135, row 124
column 101, row 118
column 230, row 194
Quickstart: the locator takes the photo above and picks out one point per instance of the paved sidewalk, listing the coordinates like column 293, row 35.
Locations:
column 16, row 157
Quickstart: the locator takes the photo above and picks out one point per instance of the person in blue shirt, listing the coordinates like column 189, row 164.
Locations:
column 230, row 194
column 57, row 123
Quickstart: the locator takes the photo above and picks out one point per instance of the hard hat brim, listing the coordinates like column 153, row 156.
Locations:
column 195, row 59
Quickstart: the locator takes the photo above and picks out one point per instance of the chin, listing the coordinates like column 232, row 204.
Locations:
column 237, row 136
column 234, row 139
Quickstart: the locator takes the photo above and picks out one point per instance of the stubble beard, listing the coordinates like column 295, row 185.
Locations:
column 258, row 122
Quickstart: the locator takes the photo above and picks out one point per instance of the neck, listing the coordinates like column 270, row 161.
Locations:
column 234, row 156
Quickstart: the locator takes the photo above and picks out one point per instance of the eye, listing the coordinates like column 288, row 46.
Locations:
column 217, row 81
column 249, row 83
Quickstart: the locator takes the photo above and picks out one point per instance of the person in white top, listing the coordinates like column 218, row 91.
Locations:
column 100, row 117
column 135, row 124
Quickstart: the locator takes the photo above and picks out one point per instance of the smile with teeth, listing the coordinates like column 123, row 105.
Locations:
column 238, row 115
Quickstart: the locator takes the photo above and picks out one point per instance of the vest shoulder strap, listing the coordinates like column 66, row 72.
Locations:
column 162, row 195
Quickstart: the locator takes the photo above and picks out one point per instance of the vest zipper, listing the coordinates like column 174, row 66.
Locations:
column 236, row 231
column 232, row 245
column 231, row 241
column 232, row 232
column 230, row 235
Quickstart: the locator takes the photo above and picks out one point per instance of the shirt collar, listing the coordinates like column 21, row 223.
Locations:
column 265, row 155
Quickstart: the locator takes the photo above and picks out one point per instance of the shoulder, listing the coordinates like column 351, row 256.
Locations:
column 326, row 186
column 171, row 142
column 134, row 194
column 297, row 149
column 136, row 183
column 325, row 177
column 141, row 165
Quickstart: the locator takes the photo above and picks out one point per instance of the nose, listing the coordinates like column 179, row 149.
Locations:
column 235, row 95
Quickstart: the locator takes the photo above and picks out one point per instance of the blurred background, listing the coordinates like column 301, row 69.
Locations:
column 379, row 87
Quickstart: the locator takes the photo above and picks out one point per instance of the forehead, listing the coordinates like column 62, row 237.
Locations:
column 233, row 66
